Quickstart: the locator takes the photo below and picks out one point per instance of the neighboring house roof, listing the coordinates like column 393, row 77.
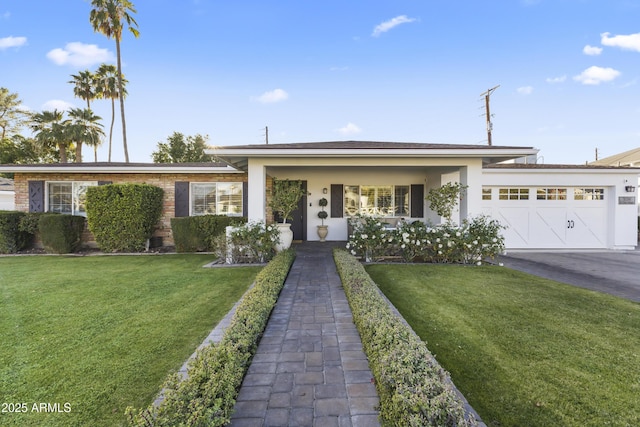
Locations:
column 106, row 167
column 6, row 184
column 541, row 166
column 238, row 154
column 628, row 158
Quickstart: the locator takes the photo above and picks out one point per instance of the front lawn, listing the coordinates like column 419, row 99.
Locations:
column 92, row 335
column 522, row 349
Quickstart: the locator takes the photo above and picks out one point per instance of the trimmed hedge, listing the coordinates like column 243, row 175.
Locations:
column 12, row 238
column 61, row 234
column 198, row 233
column 413, row 388
column 207, row 396
column 122, row 217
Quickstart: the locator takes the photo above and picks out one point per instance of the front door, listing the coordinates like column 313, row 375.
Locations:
column 299, row 221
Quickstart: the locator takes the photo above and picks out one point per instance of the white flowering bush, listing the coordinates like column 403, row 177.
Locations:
column 369, row 239
column 471, row 242
column 254, row 242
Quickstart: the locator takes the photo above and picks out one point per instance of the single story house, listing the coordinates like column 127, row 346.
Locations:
column 542, row 206
column 7, row 195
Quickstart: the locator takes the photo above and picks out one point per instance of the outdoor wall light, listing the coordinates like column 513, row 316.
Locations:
column 629, row 188
column 324, row 190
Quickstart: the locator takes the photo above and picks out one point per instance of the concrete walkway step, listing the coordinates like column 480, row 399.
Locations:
column 309, row 369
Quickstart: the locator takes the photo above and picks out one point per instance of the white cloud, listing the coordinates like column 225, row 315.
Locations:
column 6, row 15
column 10, row 41
column 596, row 75
column 525, row 90
column 276, row 95
column 350, row 129
column 628, row 42
column 554, row 80
column 392, row 23
column 57, row 104
column 592, row 50
column 80, row 55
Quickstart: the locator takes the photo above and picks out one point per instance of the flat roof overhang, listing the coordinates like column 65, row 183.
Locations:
column 121, row 168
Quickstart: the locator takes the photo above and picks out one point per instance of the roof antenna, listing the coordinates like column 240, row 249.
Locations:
column 487, row 95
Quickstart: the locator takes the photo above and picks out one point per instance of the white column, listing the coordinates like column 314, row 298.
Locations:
column 257, row 175
column 471, row 176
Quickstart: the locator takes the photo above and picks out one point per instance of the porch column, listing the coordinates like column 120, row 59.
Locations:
column 471, row 176
column 257, row 175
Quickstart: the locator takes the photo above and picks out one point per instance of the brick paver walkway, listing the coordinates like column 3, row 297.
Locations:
column 309, row 369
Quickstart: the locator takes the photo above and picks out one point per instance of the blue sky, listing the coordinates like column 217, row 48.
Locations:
column 397, row 70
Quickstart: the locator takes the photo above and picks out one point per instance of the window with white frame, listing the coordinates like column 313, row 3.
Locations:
column 588, row 194
column 551, row 194
column 216, row 198
column 513, row 194
column 68, row 197
column 377, row 200
column 486, row 193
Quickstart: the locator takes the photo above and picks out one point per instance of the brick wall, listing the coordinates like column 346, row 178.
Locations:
column 166, row 181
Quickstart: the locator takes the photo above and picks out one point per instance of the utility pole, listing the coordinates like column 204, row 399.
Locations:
column 596, row 154
column 487, row 95
column 266, row 135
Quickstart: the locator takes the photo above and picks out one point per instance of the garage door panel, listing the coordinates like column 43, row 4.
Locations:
column 550, row 227
column 586, row 227
column 517, row 233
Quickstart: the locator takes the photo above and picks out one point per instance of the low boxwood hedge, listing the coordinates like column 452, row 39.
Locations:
column 207, row 396
column 413, row 389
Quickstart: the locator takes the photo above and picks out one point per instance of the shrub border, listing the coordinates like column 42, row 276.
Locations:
column 208, row 394
column 414, row 389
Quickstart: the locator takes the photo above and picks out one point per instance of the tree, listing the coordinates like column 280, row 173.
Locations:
column 177, row 150
column 108, row 17
column 443, row 200
column 83, row 127
column 12, row 118
column 84, row 88
column 50, row 132
column 107, row 88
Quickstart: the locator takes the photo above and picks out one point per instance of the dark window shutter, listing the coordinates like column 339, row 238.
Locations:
column 245, row 199
column 36, row 196
column 105, row 182
column 181, row 198
column 417, row 201
column 337, row 200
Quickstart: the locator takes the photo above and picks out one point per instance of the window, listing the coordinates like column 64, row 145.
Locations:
column 216, row 198
column 68, row 197
column 486, row 193
column 377, row 200
column 552, row 194
column 588, row 194
column 513, row 194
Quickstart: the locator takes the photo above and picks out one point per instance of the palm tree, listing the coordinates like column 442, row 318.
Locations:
column 50, row 131
column 83, row 126
column 107, row 88
column 85, row 89
column 107, row 17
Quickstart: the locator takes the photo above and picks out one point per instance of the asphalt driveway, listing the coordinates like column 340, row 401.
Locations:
column 613, row 272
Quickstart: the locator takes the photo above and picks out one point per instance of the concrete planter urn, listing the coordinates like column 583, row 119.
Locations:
column 286, row 236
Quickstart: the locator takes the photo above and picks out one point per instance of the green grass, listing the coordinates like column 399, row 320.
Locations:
column 103, row 332
column 524, row 351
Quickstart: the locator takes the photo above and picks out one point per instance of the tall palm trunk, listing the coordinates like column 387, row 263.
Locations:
column 121, row 91
column 113, row 119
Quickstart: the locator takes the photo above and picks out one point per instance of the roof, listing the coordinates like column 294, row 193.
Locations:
column 6, row 184
column 238, row 155
column 628, row 158
column 530, row 166
column 113, row 167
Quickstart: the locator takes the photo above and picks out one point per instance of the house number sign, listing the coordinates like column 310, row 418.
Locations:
column 626, row 200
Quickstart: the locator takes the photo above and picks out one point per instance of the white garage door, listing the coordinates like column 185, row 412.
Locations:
column 549, row 218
